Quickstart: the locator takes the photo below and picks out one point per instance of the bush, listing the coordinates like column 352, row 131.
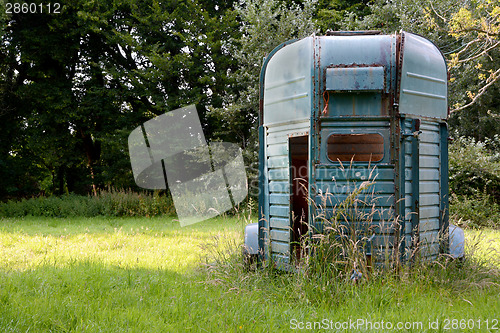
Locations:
column 106, row 203
column 475, row 212
column 475, row 182
column 475, row 167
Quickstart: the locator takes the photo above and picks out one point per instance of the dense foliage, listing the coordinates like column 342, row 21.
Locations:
column 107, row 203
column 475, row 182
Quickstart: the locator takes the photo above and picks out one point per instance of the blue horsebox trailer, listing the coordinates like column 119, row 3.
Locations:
column 337, row 111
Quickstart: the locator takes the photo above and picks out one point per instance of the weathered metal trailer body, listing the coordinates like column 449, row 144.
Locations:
column 336, row 109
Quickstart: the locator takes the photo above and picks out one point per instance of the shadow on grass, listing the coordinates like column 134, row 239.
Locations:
column 89, row 296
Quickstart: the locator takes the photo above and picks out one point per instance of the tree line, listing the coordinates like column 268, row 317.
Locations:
column 74, row 84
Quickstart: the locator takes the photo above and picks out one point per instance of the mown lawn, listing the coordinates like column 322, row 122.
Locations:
column 148, row 275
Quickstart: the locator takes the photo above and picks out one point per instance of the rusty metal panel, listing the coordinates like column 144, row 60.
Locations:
column 355, row 78
column 279, row 223
column 338, row 142
column 280, row 235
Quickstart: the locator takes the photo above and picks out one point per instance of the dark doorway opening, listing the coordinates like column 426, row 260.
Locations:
column 299, row 165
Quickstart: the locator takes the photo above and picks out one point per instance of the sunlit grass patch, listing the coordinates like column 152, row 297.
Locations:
column 483, row 244
column 134, row 243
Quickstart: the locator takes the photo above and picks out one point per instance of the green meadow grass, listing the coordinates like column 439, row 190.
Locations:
column 151, row 275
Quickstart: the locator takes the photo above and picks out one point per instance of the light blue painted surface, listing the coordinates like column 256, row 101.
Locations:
column 429, row 162
column 347, row 81
column 424, row 88
column 287, row 89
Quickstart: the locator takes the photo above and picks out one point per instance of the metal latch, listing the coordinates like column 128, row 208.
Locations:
column 416, row 130
column 405, row 134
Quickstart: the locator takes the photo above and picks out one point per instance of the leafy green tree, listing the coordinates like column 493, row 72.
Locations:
column 264, row 25
column 333, row 14
column 477, row 25
column 75, row 84
column 29, row 68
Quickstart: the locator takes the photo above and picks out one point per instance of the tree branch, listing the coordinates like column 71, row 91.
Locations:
column 494, row 77
column 481, row 31
column 437, row 14
column 480, row 54
column 472, row 42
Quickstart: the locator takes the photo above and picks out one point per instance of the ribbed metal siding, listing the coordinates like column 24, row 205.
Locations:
column 429, row 188
column 278, row 166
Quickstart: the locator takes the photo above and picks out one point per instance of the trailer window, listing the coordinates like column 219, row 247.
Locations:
column 356, row 147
